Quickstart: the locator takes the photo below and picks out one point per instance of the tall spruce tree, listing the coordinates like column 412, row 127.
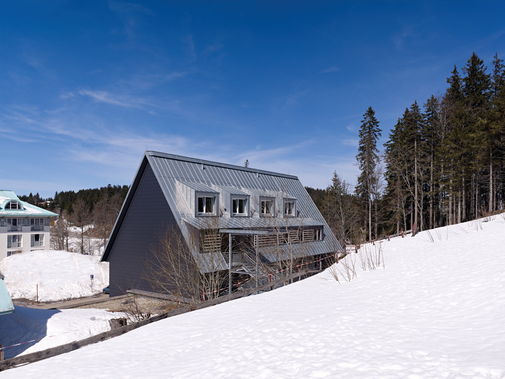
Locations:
column 396, row 153
column 368, row 157
column 431, row 135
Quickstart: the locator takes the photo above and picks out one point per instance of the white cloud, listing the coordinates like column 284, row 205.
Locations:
column 330, row 69
column 120, row 100
column 351, row 142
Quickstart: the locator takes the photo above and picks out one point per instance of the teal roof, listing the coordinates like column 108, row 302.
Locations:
column 5, row 300
column 28, row 210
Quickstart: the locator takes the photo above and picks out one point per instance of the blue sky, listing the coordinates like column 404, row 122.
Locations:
column 87, row 87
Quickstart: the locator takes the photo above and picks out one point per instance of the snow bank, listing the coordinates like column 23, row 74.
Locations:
column 435, row 311
column 39, row 329
column 59, row 275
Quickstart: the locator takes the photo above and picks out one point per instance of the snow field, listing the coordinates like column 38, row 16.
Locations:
column 39, row 329
column 435, row 311
column 59, row 275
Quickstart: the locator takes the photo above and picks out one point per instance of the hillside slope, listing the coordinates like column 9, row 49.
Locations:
column 436, row 310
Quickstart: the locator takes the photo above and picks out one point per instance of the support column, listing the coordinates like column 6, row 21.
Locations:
column 229, row 264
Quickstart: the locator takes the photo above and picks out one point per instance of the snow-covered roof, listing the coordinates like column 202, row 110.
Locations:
column 27, row 209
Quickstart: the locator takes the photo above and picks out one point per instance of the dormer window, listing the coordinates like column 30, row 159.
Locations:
column 240, row 205
column 289, row 208
column 267, row 207
column 206, row 205
column 13, row 205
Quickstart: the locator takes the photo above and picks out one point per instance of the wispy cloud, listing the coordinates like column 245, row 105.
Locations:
column 351, row 128
column 190, row 47
column 407, row 32
column 330, row 69
column 212, row 49
column 128, row 13
column 120, row 100
column 292, row 99
column 350, row 142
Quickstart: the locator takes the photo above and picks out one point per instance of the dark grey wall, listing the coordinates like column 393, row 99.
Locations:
column 146, row 219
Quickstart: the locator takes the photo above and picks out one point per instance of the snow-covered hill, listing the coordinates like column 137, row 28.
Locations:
column 435, row 311
column 58, row 275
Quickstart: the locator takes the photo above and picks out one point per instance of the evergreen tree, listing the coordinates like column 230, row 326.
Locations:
column 368, row 157
column 430, row 134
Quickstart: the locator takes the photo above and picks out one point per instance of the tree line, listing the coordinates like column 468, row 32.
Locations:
column 442, row 164
column 92, row 211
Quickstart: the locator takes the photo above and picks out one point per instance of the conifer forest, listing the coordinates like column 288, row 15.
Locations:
column 443, row 162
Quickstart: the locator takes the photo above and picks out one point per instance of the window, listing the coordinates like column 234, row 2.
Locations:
column 14, row 241
column 240, row 207
column 267, row 207
column 37, row 240
column 206, row 205
column 289, row 208
column 14, row 225
column 37, row 223
column 310, row 235
column 13, row 205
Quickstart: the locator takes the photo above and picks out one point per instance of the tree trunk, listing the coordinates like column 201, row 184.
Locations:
column 431, row 191
column 450, row 203
column 491, row 205
column 415, row 183
column 369, row 219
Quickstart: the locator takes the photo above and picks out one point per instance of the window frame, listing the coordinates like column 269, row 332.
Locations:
column 293, row 208
column 18, row 243
column 206, row 195
column 238, row 198
column 9, row 205
column 265, row 199
column 41, row 240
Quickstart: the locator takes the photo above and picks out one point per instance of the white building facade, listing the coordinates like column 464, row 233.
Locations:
column 23, row 227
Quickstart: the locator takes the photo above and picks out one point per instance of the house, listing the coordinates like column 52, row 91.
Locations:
column 23, row 227
column 271, row 214
column 6, row 306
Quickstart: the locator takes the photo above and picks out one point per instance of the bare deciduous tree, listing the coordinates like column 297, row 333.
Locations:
column 80, row 218
column 59, row 233
column 173, row 269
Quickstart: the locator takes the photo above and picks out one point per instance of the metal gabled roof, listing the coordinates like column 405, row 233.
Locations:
column 200, row 175
column 169, row 169
column 28, row 210
column 251, row 222
column 232, row 190
column 199, row 187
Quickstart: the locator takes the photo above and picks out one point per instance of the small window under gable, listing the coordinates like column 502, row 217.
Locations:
column 240, row 205
column 235, row 202
column 196, row 199
column 13, row 205
column 289, row 207
column 206, row 204
column 267, row 205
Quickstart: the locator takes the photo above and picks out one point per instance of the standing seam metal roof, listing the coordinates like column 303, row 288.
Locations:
column 169, row 169
column 196, row 173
